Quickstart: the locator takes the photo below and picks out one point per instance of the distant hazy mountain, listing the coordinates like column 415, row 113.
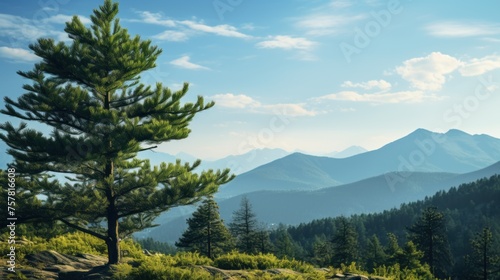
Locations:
column 366, row 196
column 349, row 152
column 247, row 161
column 420, row 151
column 237, row 163
column 370, row 195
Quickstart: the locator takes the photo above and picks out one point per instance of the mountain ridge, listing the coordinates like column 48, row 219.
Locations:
column 421, row 150
column 369, row 195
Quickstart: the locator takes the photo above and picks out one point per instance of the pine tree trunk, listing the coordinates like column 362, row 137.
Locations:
column 113, row 241
column 112, row 213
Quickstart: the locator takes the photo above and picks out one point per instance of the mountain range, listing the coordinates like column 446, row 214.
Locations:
column 298, row 188
column 420, row 151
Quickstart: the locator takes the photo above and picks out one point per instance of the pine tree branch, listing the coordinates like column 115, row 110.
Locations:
column 149, row 148
column 100, row 236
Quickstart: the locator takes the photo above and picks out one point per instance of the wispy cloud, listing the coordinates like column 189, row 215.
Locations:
column 429, row 72
column 479, row 66
column 462, row 29
column 22, row 30
column 242, row 101
column 326, row 24
column 172, row 36
column 230, row 100
column 183, row 62
column 286, row 42
column 18, row 55
column 221, row 30
column 153, row 18
column 380, row 84
column 62, row 19
column 381, row 97
column 187, row 27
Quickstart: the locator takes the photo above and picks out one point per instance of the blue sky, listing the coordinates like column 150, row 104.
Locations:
column 314, row 76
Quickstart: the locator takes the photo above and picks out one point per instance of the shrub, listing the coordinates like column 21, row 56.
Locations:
column 160, row 267
column 132, row 247
column 187, row 258
column 121, row 271
column 78, row 242
column 296, row 265
column 236, row 261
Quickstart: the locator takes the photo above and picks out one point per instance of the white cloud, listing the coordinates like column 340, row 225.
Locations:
column 248, row 26
column 325, row 24
column 183, row 62
column 16, row 54
column 242, row 101
column 286, row 42
column 221, row 30
column 230, row 100
column 62, row 19
column 381, row 97
column 462, row 29
column 188, row 27
column 172, row 36
column 380, row 84
column 154, row 18
column 479, row 66
column 23, row 31
column 428, row 73
column 288, row 109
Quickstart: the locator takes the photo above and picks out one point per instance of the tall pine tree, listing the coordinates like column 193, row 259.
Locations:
column 88, row 93
column 484, row 259
column 344, row 243
column 244, row 227
column 429, row 234
column 374, row 255
column 206, row 233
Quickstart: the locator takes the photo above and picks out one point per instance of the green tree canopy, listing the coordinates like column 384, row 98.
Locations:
column 206, row 232
column 484, row 258
column 429, row 234
column 375, row 255
column 344, row 243
column 88, row 93
column 244, row 227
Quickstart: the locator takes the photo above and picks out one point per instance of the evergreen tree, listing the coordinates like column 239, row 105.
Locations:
column 392, row 249
column 322, row 251
column 344, row 243
column 283, row 243
column 89, row 94
column 429, row 234
column 263, row 242
column 244, row 227
column 409, row 257
column 483, row 257
column 375, row 255
column 206, row 232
